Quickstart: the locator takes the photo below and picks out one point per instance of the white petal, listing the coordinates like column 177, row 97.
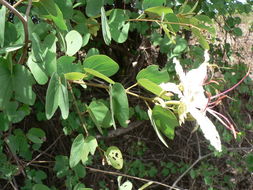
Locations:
column 171, row 87
column 207, row 128
column 179, row 70
column 207, row 56
column 196, row 77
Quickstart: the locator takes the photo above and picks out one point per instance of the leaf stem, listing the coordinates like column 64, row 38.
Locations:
column 164, row 22
column 78, row 110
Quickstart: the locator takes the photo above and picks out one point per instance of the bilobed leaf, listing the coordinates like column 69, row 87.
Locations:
column 74, row 42
column 119, row 26
column 54, row 13
column 101, row 113
column 114, row 157
column 5, row 83
column 63, row 97
column 159, row 10
column 66, row 8
column 92, row 144
column 152, row 3
column 159, row 134
column 165, row 121
column 52, row 96
column 153, row 74
column 22, row 82
column 2, row 24
column 78, row 151
column 37, row 70
column 93, row 7
column 49, row 47
column 102, row 64
column 74, row 76
column 105, row 27
column 99, row 75
column 57, row 95
column 120, row 104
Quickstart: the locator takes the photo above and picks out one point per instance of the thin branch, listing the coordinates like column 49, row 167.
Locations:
column 203, row 157
column 166, row 22
column 28, row 9
column 132, row 177
column 39, row 155
column 25, row 26
column 78, row 110
column 107, row 88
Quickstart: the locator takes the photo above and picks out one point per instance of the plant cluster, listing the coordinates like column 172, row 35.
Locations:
column 77, row 74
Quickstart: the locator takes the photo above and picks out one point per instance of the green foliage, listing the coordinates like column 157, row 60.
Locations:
column 78, row 56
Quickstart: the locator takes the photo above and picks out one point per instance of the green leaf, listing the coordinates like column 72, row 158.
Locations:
column 101, row 114
column 105, row 27
column 152, row 87
column 37, row 70
column 152, row 3
column 57, row 95
column 102, row 64
column 99, row 75
column 202, row 40
column 40, row 187
column 74, row 42
column 2, row 24
column 78, row 151
column 153, row 74
column 159, row 134
column 14, row 113
column 171, row 17
column 65, row 65
column 165, row 121
column 10, row 48
column 18, row 81
column 119, row 26
column 114, row 157
column 93, row 7
column 66, row 8
column 120, row 104
column 74, row 76
column 159, row 10
column 54, row 13
column 36, row 135
column 92, row 144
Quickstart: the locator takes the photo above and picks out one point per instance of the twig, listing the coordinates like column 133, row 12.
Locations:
column 25, row 26
column 39, row 155
column 132, row 177
column 107, row 88
column 203, row 157
column 166, row 22
column 121, row 131
column 78, row 110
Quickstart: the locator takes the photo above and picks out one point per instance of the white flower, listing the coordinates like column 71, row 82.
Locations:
column 194, row 100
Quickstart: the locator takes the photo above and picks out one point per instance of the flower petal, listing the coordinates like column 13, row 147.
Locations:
column 179, row 70
column 171, row 87
column 207, row 128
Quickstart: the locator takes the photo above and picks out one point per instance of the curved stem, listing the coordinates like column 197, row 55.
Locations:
column 25, row 26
